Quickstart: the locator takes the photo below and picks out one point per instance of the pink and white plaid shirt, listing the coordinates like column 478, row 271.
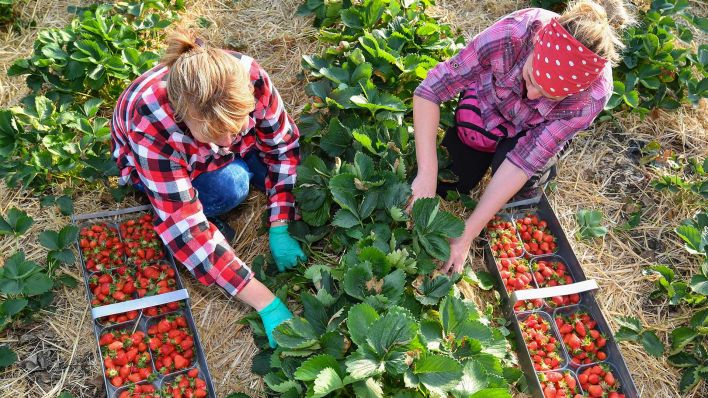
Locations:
column 492, row 63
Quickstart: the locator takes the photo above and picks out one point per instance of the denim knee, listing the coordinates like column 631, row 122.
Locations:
column 222, row 190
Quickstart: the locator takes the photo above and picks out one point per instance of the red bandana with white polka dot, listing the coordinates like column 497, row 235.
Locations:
column 561, row 64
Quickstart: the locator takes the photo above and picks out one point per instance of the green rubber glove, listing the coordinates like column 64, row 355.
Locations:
column 273, row 315
column 286, row 250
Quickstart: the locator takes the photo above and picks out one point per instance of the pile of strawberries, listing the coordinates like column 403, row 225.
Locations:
column 156, row 279
column 549, row 273
column 171, row 343
column 101, row 247
column 503, row 239
column 558, row 385
column 189, row 385
column 599, row 382
column 516, row 275
column 140, row 391
column 542, row 345
column 142, row 245
column 536, row 236
column 113, row 287
column 125, row 357
column 582, row 340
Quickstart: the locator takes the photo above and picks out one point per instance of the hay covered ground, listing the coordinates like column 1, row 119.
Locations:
column 602, row 171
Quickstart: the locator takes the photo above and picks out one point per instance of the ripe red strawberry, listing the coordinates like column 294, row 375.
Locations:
column 543, row 346
column 516, row 275
column 140, row 391
column 113, row 287
column 558, row 384
column 536, row 236
column 101, row 247
column 582, row 340
column 171, row 344
column 598, row 381
column 503, row 239
column 549, row 273
column 143, row 245
column 185, row 385
column 123, row 361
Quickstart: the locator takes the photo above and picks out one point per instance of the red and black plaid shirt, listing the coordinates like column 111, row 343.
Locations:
column 150, row 147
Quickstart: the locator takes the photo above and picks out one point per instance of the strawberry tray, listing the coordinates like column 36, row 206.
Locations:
column 547, row 283
column 135, row 292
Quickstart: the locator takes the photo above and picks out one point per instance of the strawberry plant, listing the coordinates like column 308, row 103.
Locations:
column 377, row 320
column 661, row 67
column 125, row 357
column 6, row 13
column 60, row 131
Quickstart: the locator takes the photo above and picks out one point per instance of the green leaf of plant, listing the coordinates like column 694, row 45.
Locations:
column 626, row 334
column 438, row 373
column 66, row 205
column 590, row 222
column 312, row 367
column 692, row 237
column 682, row 336
column 7, row 357
column 368, row 388
column 326, row 382
column 683, row 360
column 37, row 284
column 344, row 218
column 13, row 306
column 689, row 379
column 296, row 334
column 49, row 239
column 337, row 138
column 15, row 222
column 630, row 323
column 359, row 320
column 280, row 384
column 652, row 344
column 699, row 284
column 395, row 328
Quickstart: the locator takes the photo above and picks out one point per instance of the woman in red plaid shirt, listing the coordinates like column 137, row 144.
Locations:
column 529, row 83
column 192, row 133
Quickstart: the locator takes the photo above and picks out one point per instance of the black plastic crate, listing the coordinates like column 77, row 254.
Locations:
column 587, row 302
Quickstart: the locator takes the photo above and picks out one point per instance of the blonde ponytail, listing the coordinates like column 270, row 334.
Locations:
column 207, row 85
column 598, row 24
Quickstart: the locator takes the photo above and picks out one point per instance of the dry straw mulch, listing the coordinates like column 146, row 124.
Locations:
column 59, row 353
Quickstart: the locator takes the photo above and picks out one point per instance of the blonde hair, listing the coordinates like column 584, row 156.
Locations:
column 598, row 24
column 207, row 85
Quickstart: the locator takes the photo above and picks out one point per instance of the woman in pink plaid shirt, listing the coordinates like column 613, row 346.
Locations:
column 528, row 84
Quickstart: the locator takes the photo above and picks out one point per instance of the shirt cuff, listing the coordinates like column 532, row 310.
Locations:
column 425, row 92
column 521, row 163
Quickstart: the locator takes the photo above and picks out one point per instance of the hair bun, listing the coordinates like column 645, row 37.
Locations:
column 179, row 43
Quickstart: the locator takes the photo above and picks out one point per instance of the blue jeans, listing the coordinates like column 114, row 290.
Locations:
column 223, row 189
